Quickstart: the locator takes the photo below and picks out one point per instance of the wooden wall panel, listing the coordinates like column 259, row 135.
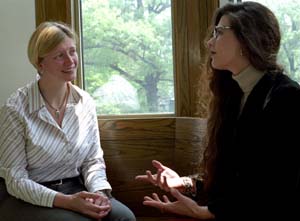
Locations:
column 189, row 138
column 194, row 29
column 181, row 59
column 129, row 147
column 131, row 144
column 53, row 10
column 156, row 128
column 191, row 21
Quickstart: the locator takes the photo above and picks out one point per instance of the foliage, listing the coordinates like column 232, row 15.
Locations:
column 133, row 39
column 130, row 38
column 288, row 15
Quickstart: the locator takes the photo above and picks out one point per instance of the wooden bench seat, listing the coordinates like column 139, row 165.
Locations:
column 131, row 144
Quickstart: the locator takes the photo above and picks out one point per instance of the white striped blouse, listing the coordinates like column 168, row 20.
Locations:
column 34, row 149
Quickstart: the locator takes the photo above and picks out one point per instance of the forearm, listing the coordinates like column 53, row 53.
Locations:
column 33, row 193
column 94, row 174
column 94, row 170
column 21, row 187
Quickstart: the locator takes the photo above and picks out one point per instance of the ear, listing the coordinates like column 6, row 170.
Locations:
column 243, row 51
column 40, row 68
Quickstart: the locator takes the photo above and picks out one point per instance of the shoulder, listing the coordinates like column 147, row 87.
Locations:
column 84, row 95
column 17, row 105
column 19, row 99
column 284, row 95
column 284, row 86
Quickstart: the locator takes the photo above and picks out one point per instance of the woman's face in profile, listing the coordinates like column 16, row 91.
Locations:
column 224, row 48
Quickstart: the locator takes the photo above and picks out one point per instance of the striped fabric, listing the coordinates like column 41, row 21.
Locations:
column 34, row 149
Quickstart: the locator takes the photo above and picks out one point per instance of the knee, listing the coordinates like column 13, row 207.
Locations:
column 120, row 212
column 130, row 217
column 124, row 215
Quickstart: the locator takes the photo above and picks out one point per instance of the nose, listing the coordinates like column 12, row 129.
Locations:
column 210, row 42
column 68, row 59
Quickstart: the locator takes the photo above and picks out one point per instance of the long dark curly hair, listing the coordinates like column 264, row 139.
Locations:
column 257, row 30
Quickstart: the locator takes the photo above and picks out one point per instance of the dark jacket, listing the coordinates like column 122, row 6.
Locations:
column 258, row 165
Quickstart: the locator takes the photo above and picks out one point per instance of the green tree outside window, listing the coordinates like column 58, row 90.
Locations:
column 288, row 15
column 127, row 55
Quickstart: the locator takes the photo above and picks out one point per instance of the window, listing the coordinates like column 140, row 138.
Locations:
column 288, row 15
column 190, row 20
column 223, row 2
column 128, row 56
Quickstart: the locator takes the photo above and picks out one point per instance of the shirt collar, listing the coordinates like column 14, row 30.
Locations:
column 248, row 78
column 36, row 100
column 76, row 94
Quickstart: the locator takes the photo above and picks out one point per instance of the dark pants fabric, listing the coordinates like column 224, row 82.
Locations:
column 12, row 209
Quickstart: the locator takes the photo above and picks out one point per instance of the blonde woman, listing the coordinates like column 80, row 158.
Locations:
column 51, row 160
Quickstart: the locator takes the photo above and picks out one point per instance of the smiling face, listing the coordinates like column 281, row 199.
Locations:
column 60, row 64
column 225, row 49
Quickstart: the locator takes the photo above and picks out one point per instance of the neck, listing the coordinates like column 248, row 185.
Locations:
column 240, row 66
column 54, row 95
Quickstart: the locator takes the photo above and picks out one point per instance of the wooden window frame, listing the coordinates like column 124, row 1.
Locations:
column 190, row 20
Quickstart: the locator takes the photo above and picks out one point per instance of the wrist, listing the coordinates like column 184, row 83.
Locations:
column 204, row 213
column 62, row 201
column 189, row 187
column 105, row 192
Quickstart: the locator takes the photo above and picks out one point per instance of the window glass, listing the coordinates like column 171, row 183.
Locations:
column 288, row 14
column 127, row 56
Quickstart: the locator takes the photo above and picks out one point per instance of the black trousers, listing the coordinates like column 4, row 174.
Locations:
column 12, row 209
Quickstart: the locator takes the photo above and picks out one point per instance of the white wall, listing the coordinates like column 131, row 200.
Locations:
column 17, row 22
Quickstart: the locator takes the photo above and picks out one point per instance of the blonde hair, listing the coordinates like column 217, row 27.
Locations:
column 45, row 38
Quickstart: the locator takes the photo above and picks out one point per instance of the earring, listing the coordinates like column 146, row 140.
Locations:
column 241, row 52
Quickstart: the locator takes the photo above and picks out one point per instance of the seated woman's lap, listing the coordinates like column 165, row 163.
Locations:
column 13, row 209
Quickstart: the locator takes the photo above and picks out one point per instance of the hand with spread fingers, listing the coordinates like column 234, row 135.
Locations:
column 165, row 177
column 182, row 206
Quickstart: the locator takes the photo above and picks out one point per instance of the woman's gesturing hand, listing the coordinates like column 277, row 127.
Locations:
column 182, row 206
column 165, row 177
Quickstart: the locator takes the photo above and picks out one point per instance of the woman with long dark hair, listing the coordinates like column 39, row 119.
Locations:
column 251, row 168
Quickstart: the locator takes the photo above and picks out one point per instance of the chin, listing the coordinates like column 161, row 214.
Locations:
column 70, row 77
column 73, row 78
column 217, row 66
column 214, row 66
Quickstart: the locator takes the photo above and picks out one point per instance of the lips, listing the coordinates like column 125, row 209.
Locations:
column 212, row 53
column 71, row 70
column 68, row 72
